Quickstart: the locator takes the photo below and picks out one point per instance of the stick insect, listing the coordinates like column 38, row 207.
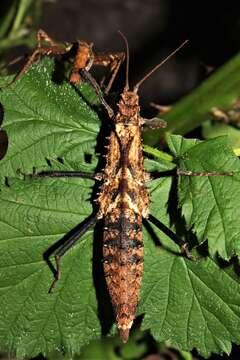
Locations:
column 80, row 54
column 123, row 202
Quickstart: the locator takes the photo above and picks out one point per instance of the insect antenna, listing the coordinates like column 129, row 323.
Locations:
column 126, row 88
column 136, row 87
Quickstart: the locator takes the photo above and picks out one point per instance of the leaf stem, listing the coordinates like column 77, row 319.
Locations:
column 220, row 90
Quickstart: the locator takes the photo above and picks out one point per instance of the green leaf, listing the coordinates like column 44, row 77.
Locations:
column 213, row 129
column 188, row 304
column 44, row 120
column 35, row 214
column 210, row 204
column 158, row 165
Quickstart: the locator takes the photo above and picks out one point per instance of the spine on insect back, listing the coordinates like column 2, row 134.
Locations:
column 123, row 201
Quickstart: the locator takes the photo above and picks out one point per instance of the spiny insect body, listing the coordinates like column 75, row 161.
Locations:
column 123, row 200
column 123, row 203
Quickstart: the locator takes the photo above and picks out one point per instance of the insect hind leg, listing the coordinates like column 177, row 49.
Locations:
column 181, row 243
column 78, row 232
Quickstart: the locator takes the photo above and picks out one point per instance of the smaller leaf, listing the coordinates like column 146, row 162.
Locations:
column 213, row 129
column 210, row 204
column 152, row 165
column 178, row 146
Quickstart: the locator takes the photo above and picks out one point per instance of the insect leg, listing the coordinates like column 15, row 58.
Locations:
column 163, row 109
column 81, row 174
column 98, row 91
column 183, row 245
column 155, row 123
column 59, row 174
column 39, row 51
column 114, row 61
column 181, row 172
column 70, row 242
column 204, row 173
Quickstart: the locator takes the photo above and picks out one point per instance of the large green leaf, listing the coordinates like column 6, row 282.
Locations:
column 34, row 215
column 190, row 305
column 210, row 204
column 46, row 121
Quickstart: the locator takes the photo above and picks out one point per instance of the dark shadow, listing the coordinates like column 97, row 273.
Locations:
column 224, row 264
column 3, row 143
column 152, row 233
column 190, row 240
column 105, row 310
column 174, row 212
column 3, row 135
column 63, row 65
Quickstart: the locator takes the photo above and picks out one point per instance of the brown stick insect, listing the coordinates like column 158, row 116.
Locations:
column 123, row 202
column 81, row 56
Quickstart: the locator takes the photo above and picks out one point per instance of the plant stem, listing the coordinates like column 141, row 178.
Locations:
column 220, row 90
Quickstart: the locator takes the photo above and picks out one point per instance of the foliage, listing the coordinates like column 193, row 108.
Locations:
column 220, row 90
column 15, row 21
column 188, row 304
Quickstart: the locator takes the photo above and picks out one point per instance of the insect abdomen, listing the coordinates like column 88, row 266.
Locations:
column 123, row 265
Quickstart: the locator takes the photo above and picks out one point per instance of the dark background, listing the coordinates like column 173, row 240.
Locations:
column 153, row 28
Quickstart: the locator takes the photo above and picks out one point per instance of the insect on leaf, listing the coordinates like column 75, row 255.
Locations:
column 189, row 304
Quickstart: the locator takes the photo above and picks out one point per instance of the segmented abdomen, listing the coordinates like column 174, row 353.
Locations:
column 123, row 265
column 123, row 202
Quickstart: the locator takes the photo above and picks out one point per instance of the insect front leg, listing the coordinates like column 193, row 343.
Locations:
column 154, row 123
column 69, row 243
column 40, row 50
column 113, row 61
column 87, row 76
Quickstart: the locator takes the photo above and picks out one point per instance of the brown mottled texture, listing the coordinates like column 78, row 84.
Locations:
column 83, row 60
column 81, row 55
column 123, row 202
